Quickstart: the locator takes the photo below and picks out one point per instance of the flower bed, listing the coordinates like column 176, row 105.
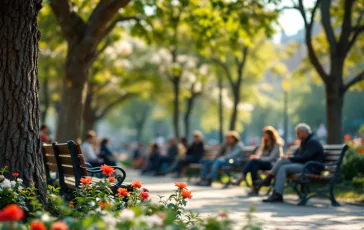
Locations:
column 96, row 207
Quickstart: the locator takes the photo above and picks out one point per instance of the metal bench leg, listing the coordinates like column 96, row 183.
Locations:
column 332, row 197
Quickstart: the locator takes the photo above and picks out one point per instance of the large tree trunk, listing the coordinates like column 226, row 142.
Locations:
column 176, row 89
column 221, row 113
column 89, row 116
column 19, row 92
column 74, row 94
column 190, row 103
column 46, row 103
column 334, row 107
column 234, row 115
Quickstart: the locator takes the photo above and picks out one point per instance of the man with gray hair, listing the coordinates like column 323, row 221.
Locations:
column 310, row 150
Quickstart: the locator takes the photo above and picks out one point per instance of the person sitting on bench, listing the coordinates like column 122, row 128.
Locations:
column 88, row 152
column 310, row 150
column 271, row 149
column 233, row 149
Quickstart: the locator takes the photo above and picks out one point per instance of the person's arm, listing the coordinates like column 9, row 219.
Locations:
column 236, row 151
column 312, row 149
column 273, row 155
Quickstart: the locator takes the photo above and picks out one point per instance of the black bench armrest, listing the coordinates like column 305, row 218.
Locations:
column 120, row 179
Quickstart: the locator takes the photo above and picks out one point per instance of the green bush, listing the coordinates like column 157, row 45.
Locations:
column 353, row 165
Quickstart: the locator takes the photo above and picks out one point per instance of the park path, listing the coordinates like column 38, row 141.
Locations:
column 318, row 214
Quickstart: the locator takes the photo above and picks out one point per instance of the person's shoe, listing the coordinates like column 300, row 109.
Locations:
column 206, row 183
column 275, row 197
column 266, row 182
column 254, row 191
column 238, row 181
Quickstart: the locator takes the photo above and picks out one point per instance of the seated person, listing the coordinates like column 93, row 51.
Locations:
column 153, row 159
column 172, row 153
column 310, row 150
column 193, row 154
column 271, row 151
column 138, row 157
column 88, row 152
column 233, row 149
column 106, row 154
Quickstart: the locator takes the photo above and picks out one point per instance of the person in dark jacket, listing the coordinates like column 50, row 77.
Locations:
column 106, row 154
column 172, row 153
column 153, row 159
column 193, row 154
column 310, row 150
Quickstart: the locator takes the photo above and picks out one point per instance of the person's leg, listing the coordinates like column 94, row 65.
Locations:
column 248, row 168
column 284, row 170
column 215, row 167
column 206, row 165
column 259, row 165
column 268, row 180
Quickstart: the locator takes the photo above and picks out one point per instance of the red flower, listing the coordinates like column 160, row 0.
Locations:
column 12, row 212
column 144, row 196
column 59, row 226
column 181, row 185
column 15, row 174
column 36, row 225
column 122, row 192
column 186, row 194
column 360, row 150
column 223, row 214
column 112, row 179
column 107, row 170
column 362, row 142
column 347, row 137
column 72, row 205
column 86, row 180
column 104, row 204
column 145, row 190
column 136, row 184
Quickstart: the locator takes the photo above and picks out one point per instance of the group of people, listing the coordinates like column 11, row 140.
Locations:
column 270, row 156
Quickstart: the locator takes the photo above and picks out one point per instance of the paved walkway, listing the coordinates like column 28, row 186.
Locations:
column 318, row 214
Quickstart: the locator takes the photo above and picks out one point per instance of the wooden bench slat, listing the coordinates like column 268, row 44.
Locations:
column 50, row 159
column 52, row 167
column 68, row 170
column 65, row 160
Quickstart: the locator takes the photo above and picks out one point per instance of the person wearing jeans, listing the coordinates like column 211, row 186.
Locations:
column 271, row 151
column 310, row 150
column 233, row 149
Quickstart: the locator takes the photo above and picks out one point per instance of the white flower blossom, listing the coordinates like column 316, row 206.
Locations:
column 6, row 184
column 13, row 183
column 127, row 214
column 152, row 221
column 109, row 221
column 2, row 177
column 45, row 218
column 19, row 181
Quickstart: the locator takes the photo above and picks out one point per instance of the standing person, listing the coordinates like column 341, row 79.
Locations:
column 106, row 154
column 233, row 149
column 43, row 134
column 172, row 153
column 88, row 152
column 271, row 149
column 193, row 154
column 310, row 150
column 321, row 134
column 153, row 159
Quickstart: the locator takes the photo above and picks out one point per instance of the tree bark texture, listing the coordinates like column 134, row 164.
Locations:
column 190, row 103
column 19, row 92
column 176, row 91
column 334, row 115
column 46, row 103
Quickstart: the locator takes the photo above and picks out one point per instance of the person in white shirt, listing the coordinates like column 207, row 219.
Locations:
column 88, row 152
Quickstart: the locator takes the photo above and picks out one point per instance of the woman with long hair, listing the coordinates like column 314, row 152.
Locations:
column 271, row 150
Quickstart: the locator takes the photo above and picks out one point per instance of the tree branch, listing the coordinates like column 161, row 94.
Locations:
column 226, row 69
column 112, row 104
column 241, row 65
column 346, row 28
column 357, row 31
column 112, row 25
column 103, row 13
column 356, row 79
column 71, row 24
column 308, row 38
column 326, row 23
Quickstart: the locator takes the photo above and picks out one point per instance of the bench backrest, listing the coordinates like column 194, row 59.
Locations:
column 212, row 151
column 49, row 161
column 334, row 154
column 69, row 162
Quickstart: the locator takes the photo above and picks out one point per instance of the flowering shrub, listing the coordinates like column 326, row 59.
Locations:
column 353, row 164
column 95, row 206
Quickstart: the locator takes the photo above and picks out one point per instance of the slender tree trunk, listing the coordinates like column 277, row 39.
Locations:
column 176, row 89
column 19, row 92
column 74, row 94
column 234, row 115
column 46, row 103
column 190, row 103
column 334, row 107
column 221, row 113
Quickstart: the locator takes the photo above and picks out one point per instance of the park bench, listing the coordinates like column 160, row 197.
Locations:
column 71, row 167
column 308, row 185
column 211, row 153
